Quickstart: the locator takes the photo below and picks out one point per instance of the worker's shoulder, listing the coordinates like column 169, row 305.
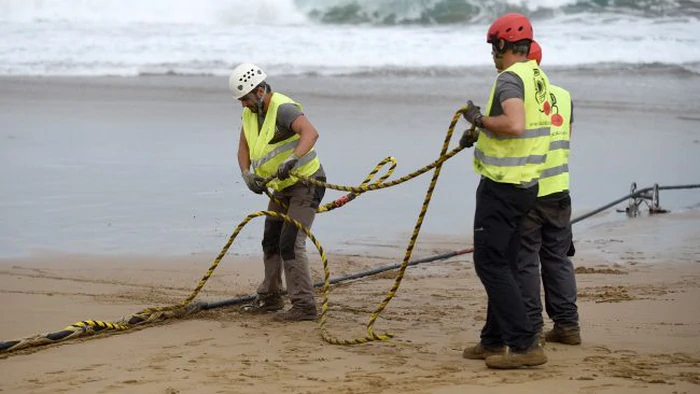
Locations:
column 507, row 78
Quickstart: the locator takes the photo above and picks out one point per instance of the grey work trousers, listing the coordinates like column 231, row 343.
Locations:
column 284, row 245
column 545, row 241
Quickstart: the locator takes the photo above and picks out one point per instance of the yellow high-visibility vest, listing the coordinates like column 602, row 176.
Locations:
column 518, row 160
column 555, row 174
column 265, row 158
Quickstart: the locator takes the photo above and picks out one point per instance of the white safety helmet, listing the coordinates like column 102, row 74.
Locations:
column 244, row 79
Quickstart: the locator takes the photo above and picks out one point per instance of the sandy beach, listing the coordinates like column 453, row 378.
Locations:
column 639, row 316
column 119, row 192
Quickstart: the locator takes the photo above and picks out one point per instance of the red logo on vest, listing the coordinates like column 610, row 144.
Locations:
column 547, row 108
column 557, row 120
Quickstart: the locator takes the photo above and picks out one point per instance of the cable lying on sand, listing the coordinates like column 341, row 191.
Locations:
column 344, row 278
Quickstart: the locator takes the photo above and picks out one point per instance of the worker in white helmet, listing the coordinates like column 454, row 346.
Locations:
column 277, row 141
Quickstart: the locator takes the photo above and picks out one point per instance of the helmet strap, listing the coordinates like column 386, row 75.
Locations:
column 260, row 101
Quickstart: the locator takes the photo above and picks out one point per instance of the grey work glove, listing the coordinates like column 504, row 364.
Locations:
column 255, row 183
column 469, row 137
column 473, row 114
column 284, row 169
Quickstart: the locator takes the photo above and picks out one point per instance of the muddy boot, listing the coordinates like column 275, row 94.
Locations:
column 531, row 357
column 569, row 335
column 479, row 352
column 297, row 314
column 265, row 303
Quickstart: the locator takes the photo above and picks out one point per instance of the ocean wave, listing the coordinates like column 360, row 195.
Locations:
column 430, row 12
column 296, row 12
column 130, row 49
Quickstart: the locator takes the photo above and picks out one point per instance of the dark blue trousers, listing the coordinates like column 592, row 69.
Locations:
column 500, row 209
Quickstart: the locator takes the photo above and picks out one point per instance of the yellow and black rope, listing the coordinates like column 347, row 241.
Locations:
column 186, row 306
column 437, row 165
column 354, row 191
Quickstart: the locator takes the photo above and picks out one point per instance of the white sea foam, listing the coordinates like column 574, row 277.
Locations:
column 129, row 37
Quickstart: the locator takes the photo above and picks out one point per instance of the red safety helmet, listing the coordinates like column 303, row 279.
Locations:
column 511, row 28
column 535, row 52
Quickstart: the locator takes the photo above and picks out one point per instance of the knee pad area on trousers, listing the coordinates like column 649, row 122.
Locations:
column 287, row 241
column 271, row 236
column 270, row 247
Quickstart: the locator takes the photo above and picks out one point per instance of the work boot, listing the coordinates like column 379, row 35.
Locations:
column 265, row 303
column 569, row 335
column 297, row 314
column 531, row 357
column 479, row 352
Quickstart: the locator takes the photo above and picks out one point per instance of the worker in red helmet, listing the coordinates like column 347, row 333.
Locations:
column 509, row 152
column 546, row 239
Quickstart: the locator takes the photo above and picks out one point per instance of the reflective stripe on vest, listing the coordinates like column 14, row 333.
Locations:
column 518, row 159
column 287, row 146
column 265, row 158
column 534, row 133
column 555, row 176
column 510, row 161
column 554, row 145
column 552, row 171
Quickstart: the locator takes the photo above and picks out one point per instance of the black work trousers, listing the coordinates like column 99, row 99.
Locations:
column 500, row 209
column 546, row 241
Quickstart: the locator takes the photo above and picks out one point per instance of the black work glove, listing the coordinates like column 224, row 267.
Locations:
column 473, row 114
column 469, row 137
column 255, row 183
column 284, row 169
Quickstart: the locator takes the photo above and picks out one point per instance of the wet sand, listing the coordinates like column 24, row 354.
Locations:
column 147, row 165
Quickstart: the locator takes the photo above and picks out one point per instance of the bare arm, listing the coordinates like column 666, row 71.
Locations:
column 512, row 122
column 243, row 153
column 307, row 133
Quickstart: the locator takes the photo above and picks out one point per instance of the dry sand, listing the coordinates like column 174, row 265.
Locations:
column 638, row 303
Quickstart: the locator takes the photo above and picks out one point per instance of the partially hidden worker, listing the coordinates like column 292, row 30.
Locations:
column 546, row 231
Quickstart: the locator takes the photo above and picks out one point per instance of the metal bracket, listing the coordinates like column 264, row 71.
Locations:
column 650, row 198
